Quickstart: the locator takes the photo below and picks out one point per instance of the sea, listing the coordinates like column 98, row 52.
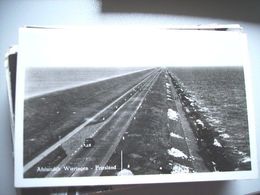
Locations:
column 42, row 80
column 220, row 94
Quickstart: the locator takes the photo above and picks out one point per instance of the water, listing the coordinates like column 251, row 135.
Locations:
column 45, row 80
column 220, row 93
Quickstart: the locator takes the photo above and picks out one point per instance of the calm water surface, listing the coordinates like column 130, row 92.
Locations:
column 45, row 80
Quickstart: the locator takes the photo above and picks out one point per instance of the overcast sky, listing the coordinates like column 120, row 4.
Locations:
column 129, row 47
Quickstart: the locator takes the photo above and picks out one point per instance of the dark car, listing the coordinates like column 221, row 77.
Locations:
column 89, row 143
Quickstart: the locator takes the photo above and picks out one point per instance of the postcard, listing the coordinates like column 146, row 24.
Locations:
column 126, row 105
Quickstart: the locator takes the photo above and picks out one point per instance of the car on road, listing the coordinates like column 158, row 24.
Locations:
column 89, row 143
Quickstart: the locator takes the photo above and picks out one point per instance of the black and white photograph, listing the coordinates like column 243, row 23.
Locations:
column 119, row 106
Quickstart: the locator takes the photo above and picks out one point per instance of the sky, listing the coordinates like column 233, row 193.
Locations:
column 142, row 47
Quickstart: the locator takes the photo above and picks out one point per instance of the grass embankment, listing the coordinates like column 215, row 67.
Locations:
column 147, row 141
column 49, row 117
column 49, row 162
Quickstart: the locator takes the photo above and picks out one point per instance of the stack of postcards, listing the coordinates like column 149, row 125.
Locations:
column 102, row 106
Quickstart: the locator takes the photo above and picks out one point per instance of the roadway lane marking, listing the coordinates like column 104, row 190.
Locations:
column 67, row 159
column 123, row 129
column 45, row 153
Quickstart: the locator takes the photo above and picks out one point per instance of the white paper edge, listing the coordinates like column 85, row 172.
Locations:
column 250, row 107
